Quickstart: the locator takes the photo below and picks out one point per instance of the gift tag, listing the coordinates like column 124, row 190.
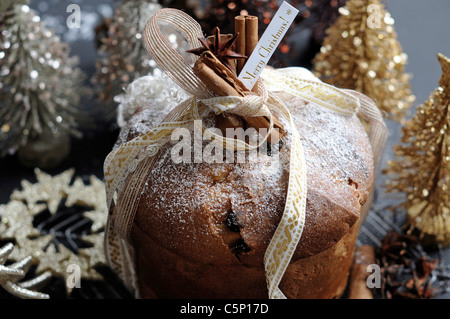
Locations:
column 267, row 44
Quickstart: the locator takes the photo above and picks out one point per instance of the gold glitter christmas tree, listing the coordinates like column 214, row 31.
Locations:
column 422, row 167
column 361, row 52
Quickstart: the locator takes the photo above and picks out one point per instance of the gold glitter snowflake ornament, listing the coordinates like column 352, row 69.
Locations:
column 49, row 189
column 42, row 220
column 92, row 195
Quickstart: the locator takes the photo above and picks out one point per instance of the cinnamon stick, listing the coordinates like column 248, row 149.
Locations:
column 215, row 82
column 239, row 28
column 363, row 257
column 251, row 34
column 251, row 37
column 237, row 87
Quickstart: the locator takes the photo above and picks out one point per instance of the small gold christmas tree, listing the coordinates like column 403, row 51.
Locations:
column 361, row 52
column 422, row 167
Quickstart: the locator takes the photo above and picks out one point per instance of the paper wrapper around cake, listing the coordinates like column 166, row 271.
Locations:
column 201, row 230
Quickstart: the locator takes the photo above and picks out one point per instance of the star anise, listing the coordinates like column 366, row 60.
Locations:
column 221, row 50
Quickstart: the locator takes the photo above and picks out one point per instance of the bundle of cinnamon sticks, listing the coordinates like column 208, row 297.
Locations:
column 224, row 81
column 247, row 28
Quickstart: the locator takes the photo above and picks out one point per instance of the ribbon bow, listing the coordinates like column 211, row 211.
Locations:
column 128, row 158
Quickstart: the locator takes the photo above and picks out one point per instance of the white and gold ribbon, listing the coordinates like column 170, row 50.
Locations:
column 126, row 171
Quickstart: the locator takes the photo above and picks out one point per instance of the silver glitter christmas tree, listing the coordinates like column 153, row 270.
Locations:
column 124, row 56
column 40, row 87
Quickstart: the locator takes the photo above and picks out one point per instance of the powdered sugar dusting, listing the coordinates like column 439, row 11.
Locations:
column 194, row 199
column 144, row 104
column 331, row 146
column 186, row 204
